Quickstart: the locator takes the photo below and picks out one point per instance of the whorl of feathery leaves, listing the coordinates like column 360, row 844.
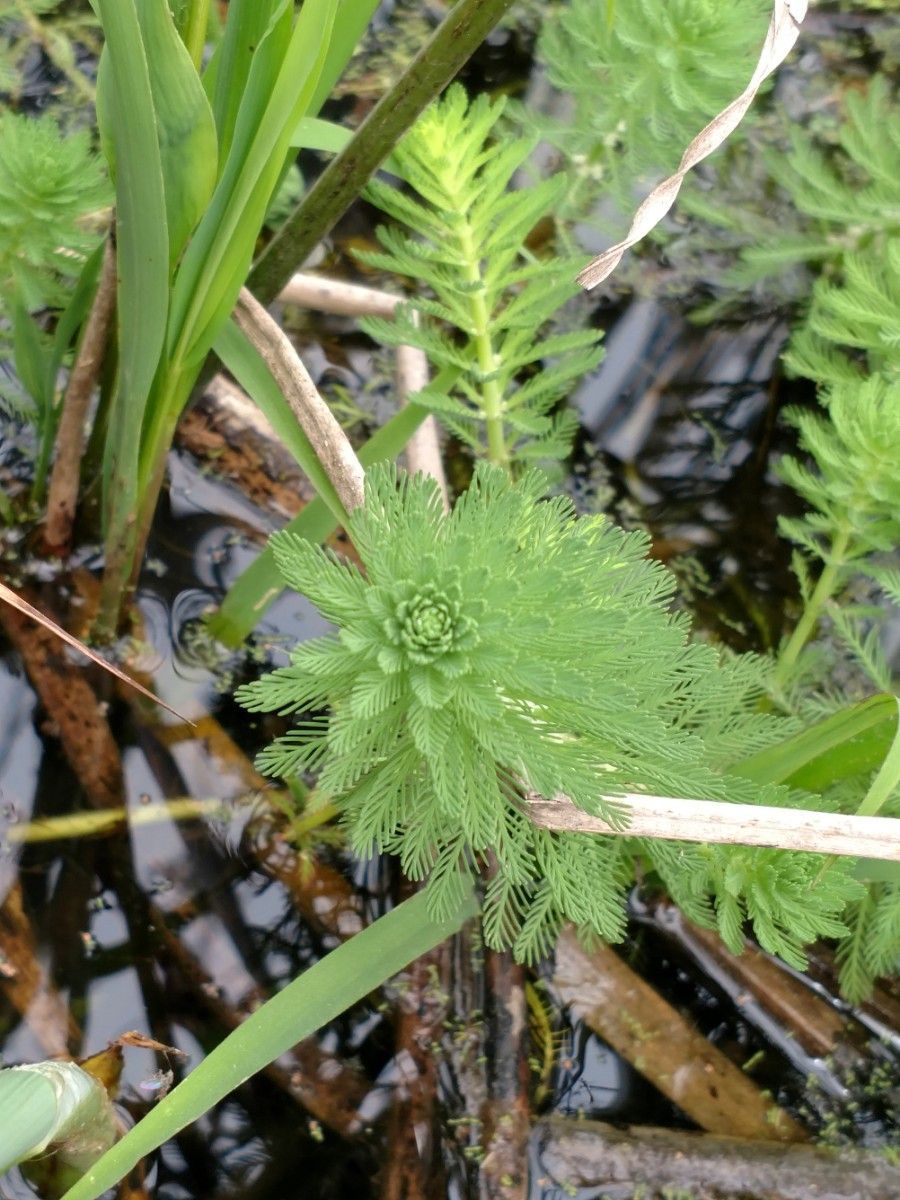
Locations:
column 849, row 193
column 645, row 77
column 510, row 646
column 49, row 181
column 491, row 301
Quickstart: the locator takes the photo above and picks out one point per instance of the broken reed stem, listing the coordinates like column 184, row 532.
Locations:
column 63, row 495
column 316, row 419
column 423, row 450
column 728, row 824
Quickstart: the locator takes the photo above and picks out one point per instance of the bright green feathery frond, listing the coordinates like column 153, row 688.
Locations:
column 49, row 182
column 644, row 77
column 854, row 489
column 491, row 301
column 506, row 648
column 849, row 194
column 853, row 325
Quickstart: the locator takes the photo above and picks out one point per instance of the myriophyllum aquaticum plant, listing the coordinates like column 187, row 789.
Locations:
column 511, row 647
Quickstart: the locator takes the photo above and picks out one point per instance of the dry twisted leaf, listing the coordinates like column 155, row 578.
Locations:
column 784, row 28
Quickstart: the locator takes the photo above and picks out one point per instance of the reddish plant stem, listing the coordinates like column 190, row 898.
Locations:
column 70, row 439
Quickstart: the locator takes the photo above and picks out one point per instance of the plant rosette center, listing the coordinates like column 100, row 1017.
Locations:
column 427, row 624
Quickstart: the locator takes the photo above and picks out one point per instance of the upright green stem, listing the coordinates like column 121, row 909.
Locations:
column 195, row 28
column 124, row 559
column 451, row 45
column 822, row 592
column 491, row 391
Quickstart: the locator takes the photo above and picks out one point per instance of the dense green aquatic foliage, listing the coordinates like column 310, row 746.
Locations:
column 849, row 478
column 454, row 686
column 823, row 198
column 50, row 181
column 643, row 77
column 492, row 299
column 853, row 325
column 854, row 492
column 850, row 193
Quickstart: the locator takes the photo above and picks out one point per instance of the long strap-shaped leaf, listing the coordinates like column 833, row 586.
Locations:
column 131, row 143
column 784, row 29
column 333, row 985
column 280, row 88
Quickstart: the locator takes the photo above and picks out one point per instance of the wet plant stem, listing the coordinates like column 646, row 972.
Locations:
column 195, row 28
column 127, row 543
column 309, row 821
column 491, row 390
column 825, row 587
column 63, row 498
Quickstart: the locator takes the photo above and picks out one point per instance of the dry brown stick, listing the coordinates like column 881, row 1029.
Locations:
column 423, row 450
column 596, row 1156
column 24, row 981
column 335, row 296
column 506, row 1113
column 63, row 492
column 604, row 992
column 72, row 705
column 316, row 419
column 684, row 820
column 760, row 985
column 224, row 429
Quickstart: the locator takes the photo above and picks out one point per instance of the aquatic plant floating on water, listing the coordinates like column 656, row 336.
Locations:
column 453, row 689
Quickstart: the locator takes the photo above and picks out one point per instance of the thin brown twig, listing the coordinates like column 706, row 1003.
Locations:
column 423, row 450
column 63, row 494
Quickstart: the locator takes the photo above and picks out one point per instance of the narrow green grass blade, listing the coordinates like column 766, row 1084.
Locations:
column 885, row 782
column 845, row 744
column 185, row 124
column 261, row 583
column 218, row 259
column 248, row 367
column 128, row 130
column 27, row 1115
column 355, row 17
column 128, row 126
column 312, row 133
column 229, row 70
column 31, row 360
column 334, row 984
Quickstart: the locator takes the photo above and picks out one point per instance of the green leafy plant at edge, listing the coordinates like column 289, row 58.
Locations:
column 495, row 297
column 453, row 692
